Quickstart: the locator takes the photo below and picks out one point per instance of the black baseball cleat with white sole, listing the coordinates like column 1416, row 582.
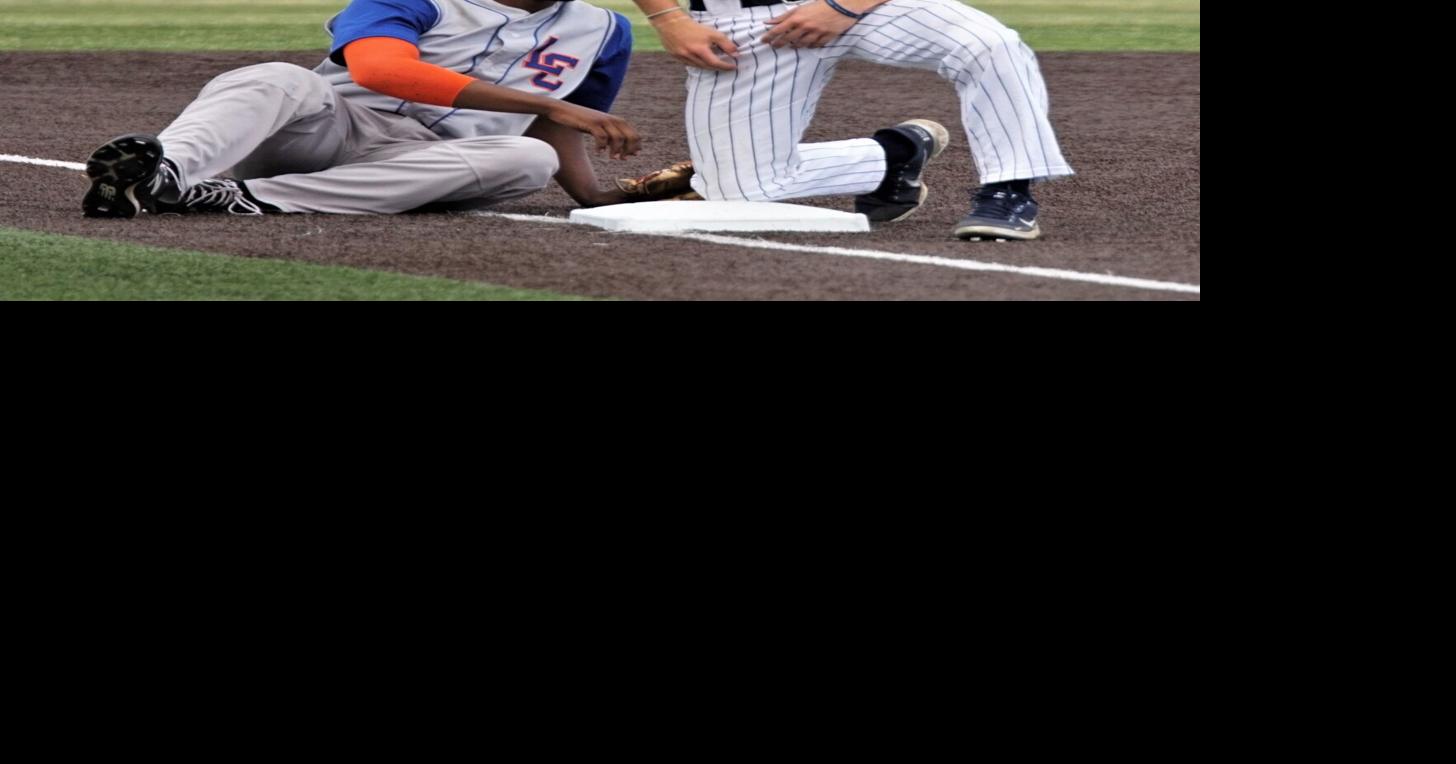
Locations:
column 221, row 195
column 903, row 191
column 999, row 212
column 122, row 173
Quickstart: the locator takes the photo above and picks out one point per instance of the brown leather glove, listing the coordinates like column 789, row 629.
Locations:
column 670, row 183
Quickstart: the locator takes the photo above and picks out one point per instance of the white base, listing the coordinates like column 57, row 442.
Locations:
column 675, row 217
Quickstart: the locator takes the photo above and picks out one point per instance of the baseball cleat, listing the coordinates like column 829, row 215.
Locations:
column 903, row 191
column 998, row 212
column 217, row 195
column 122, row 174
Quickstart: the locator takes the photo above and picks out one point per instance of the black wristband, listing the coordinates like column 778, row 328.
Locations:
column 845, row 11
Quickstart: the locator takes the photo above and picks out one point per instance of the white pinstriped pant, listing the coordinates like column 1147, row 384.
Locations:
column 745, row 126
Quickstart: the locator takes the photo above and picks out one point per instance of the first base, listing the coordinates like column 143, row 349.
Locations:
column 676, row 217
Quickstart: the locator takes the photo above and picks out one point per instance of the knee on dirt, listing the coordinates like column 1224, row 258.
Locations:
column 754, row 194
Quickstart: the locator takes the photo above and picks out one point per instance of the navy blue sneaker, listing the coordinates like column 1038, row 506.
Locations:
column 903, row 192
column 127, row 175
column 997, row 212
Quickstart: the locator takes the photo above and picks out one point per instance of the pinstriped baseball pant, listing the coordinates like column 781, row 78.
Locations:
column 745, row 126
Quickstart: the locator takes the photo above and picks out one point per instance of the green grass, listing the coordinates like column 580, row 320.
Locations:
column 1096, row 25
column 37, row 266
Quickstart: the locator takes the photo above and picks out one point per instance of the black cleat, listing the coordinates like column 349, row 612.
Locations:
column 998, row 212
column 222, row 195
column 903, row 191
column 122, row 174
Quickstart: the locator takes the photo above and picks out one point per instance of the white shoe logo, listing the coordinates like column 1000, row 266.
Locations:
column 1027, row 223
column 108, row 192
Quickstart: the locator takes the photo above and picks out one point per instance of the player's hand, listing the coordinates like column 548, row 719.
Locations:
column 614, row 135
column 807, row 26
column 694, row 44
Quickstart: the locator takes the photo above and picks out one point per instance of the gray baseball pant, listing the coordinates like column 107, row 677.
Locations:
column 303, row 148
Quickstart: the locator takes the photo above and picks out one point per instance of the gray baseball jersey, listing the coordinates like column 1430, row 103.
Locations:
column 570, row 50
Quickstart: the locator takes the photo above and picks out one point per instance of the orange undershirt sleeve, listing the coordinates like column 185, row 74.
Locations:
column 393, row 67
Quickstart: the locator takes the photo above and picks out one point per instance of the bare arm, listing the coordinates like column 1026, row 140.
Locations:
column 393, row 67
column 613, row 134
column 577, row 176
column 688, row 41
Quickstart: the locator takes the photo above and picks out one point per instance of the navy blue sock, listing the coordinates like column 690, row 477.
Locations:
column 898, row 150
column 897, row 147
column 1022, row 187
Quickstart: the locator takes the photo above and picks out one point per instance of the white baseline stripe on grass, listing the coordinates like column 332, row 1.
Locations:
column 872, row 254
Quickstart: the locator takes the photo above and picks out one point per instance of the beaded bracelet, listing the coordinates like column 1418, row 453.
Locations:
column 843, row 10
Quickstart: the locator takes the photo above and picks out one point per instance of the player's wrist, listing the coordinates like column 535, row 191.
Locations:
column 856, row 8
column 601, row 197
column 663, row 13
column 669, row 16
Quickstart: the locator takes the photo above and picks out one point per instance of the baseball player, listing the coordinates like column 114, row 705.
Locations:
column 758, row 68
column 458, row 102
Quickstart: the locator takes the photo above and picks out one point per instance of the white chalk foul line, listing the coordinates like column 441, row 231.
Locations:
column 872, row 254
column 950, row 262
column 17, row 159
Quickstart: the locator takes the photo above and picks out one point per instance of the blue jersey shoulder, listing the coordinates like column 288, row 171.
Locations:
column 609, row 71
column 404, row 20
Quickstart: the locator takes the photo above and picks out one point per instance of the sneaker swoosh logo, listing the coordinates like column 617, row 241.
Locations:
column 1027, row 223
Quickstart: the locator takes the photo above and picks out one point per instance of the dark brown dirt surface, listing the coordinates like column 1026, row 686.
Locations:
column 1130, row 123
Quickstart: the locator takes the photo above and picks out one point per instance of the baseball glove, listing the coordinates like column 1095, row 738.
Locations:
column 671, row 183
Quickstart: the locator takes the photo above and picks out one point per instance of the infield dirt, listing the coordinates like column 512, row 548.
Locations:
column 1129, row 122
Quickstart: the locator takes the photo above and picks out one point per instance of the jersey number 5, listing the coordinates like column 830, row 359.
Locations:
column 550, row 65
